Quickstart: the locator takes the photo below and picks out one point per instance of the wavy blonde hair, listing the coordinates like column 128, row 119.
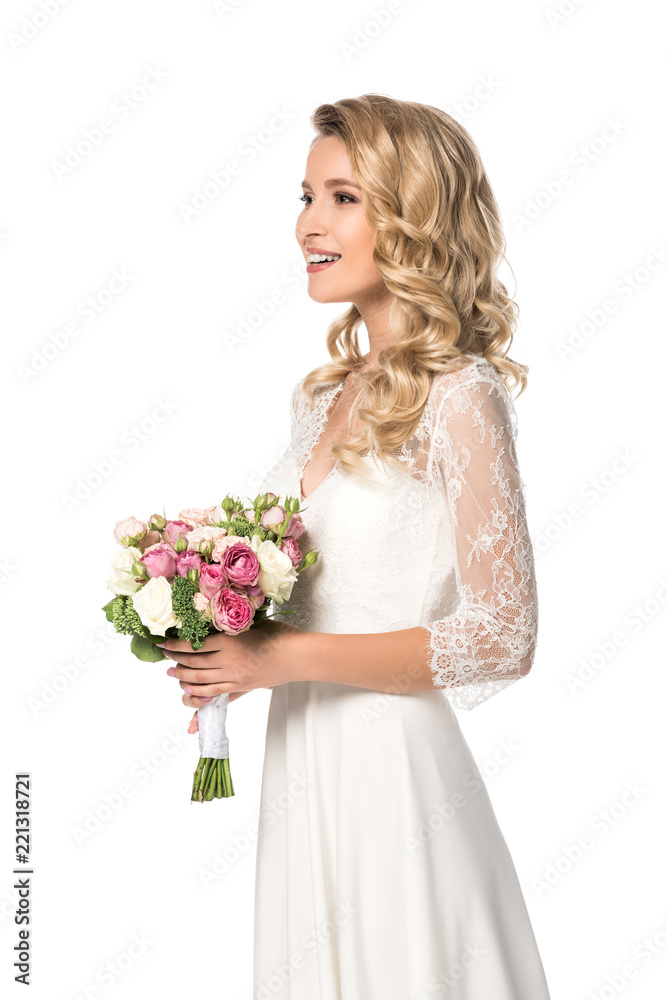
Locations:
column 438, row 243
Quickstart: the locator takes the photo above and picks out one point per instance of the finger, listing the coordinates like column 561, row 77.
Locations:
column 188, row 658
column 207, row 691
column 210, row 643
column 192, row 701
column 194, row 724
column 186, row 676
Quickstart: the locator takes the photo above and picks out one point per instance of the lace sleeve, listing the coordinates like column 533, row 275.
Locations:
column 488, row 642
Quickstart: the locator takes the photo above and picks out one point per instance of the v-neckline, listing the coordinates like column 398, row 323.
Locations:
column 327, row 401
column 330, row 473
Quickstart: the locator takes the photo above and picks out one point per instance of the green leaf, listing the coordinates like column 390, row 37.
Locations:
column 146, row 650
column 108, row 609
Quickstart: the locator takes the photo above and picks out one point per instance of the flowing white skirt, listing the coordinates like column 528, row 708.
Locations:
column 382, row 873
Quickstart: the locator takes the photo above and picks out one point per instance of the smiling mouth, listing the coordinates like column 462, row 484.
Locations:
column 319, row 262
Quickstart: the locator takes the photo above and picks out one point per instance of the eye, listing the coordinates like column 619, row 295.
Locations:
column 306, row 198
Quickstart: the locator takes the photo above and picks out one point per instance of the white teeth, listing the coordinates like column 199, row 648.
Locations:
column 319, row 258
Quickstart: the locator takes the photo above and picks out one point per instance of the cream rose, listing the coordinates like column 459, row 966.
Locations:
column 153, row 605
column 129, row 530
column 121, row 580
column 215, row 513
column 277, row 574
column 200, row 537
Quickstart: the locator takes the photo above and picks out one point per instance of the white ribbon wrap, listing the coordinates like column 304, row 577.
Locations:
column 213, row 740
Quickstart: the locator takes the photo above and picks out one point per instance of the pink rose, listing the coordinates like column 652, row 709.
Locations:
column 160, row 560
column 256, row 596
column 273, row 517
column 186, row 560
column 241, row 565
column 173, row 530
column 222, row 542
column 295, row 528
column 232, row 611
column 290, row 548
column 129, row 531
column 211, row 579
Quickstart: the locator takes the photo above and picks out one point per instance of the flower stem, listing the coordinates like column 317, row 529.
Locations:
column 197, row 779
column 212, row 779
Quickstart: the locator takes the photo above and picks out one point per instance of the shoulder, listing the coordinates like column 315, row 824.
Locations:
column 300, row 405
column 299, row 402
column 475, row 392
column 296, row 392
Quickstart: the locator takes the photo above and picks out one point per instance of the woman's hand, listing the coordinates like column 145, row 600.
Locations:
column 232, row 664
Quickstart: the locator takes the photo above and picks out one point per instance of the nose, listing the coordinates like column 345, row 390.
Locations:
column 313, row 230
column 312, row 225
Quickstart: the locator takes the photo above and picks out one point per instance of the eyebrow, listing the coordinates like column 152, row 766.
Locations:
column 333, row 182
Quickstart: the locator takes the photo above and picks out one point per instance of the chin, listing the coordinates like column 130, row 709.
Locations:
column 323, row 296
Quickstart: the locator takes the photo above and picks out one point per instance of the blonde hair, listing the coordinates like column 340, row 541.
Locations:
column 438, row 241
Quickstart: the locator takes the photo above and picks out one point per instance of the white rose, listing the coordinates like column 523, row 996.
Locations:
column 277, row 574
column 122, row 579
column 154, row 607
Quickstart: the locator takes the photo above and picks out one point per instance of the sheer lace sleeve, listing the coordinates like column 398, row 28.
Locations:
column 488, row 642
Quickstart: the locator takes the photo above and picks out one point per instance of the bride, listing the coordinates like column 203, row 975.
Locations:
column 382, row 873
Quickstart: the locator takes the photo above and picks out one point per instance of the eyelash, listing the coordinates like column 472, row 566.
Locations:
column 338, row 194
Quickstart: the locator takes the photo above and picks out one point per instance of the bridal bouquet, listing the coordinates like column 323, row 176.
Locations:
column 214, row 569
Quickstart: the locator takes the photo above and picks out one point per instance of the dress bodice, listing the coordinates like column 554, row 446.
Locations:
column 439, row 541
column 386, row 559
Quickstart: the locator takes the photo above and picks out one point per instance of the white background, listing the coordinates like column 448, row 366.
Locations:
column 537, row 91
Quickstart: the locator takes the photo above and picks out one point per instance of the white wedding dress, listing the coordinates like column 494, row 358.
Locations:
column 382, row 873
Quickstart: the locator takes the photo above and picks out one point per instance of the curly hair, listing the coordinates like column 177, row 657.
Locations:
column 438, row 241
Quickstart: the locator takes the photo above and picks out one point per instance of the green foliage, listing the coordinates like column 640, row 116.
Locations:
column 146, row 650
column 108, row 609
column 241, row 526
column 126, row 619
column 194, row 627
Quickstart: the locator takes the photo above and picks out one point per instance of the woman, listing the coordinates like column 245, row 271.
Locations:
column 382, row 873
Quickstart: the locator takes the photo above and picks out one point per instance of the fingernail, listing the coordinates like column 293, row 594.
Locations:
column 207, row 699
column 172, row 671
column 159, row 644
column 188, row 690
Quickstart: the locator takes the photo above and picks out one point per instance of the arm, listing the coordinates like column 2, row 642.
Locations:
column 488, row 641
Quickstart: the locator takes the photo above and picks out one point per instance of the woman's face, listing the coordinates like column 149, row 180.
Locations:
column 333, row 222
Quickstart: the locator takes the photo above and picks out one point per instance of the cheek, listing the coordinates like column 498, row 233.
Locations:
column 359, row 256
